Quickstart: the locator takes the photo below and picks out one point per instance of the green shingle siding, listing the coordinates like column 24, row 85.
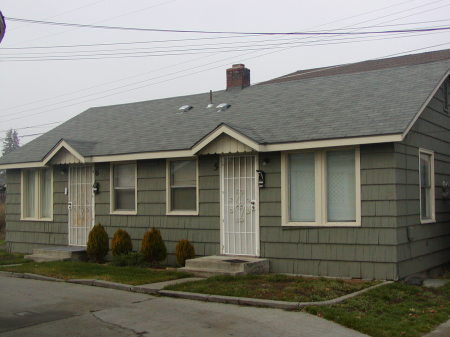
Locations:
column 422, row 246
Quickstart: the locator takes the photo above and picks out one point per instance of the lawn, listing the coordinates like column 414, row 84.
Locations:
column 10, row 258
column 392, row 310
column 275, row 287
column 79, row 270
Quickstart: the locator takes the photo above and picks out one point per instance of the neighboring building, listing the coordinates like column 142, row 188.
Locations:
column 338, row 171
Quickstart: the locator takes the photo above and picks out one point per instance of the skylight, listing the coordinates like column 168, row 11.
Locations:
column 185, row 108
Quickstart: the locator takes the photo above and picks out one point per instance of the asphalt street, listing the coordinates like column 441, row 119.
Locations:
column 34, row 308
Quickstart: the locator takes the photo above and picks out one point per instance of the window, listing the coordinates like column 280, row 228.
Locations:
column 123, row 188
column 37, row 199
column 321, row 188
column 182, row 187
column 426, row 177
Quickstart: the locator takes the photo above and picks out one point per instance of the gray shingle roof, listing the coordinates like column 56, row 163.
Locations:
column 376, row 102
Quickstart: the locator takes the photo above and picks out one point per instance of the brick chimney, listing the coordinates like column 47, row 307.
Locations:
column 238, row 77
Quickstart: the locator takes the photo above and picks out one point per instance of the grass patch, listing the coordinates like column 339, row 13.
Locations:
column 11, row 258
column 275, row 287
column 396, row 309
column 76, row 270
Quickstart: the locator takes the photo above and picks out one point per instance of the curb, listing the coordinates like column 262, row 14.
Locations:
column 254, row 302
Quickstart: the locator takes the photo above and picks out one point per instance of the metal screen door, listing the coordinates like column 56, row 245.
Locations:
column 81, row 204
column 239, row 205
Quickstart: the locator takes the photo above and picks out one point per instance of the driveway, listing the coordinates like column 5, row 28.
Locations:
column 39, row 308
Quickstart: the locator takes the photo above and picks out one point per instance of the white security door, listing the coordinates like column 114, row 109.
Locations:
column 239, row 205
column 81, row 204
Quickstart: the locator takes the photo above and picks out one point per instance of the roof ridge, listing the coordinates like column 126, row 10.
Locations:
column 365, row 66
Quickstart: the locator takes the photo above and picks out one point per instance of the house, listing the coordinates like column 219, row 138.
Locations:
column 337, row 171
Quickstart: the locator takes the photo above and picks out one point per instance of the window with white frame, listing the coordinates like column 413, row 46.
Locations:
column 321, row 188
column 37, row 197
column 182, row 185
column 426, row 177
column 123, row 189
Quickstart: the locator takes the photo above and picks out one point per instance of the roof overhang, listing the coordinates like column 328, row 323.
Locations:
column 204, row 142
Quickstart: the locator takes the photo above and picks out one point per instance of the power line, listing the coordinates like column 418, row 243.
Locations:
column 194, row 39
column 200, row 71
column 135, row 50
column 24, row 136
column 127, row 85
column 194, row 51
column 267, row 53
column 78, row 25
column 32, row 126
column 142, row 51
column 207, row 56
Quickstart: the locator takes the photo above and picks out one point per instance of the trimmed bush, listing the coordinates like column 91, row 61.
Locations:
column 98, row 244
column 184, row 251
column 121, row 243
column 153, row 247
column 132, row 259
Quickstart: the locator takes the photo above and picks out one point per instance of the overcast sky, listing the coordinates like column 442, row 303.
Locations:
column 40, row 91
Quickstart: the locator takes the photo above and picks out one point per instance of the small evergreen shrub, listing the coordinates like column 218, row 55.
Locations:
column 153, row 247
column 184, row 251
column 132, row 259
column 98, row 244
column 121, row 243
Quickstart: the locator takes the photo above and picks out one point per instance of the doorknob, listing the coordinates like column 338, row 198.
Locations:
column 69, row 205
column 253, row 203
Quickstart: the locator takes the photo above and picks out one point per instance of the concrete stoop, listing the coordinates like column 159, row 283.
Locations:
column 226, row 265
column 58, row 253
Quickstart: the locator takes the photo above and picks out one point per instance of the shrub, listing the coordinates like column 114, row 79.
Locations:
column 131, row 259
column 121, row 243
column 153, row 247
column 184, row 251
column 98, row 244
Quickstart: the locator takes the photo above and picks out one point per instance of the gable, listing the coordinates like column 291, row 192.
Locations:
column 64, row 157
column 225, row 144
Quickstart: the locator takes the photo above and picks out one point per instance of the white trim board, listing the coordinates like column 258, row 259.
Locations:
column 315, row 144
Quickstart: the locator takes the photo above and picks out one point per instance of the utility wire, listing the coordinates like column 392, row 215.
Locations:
column 121, row 87
column 23, row 136
column 247, row 53
column 200, row 47
column 78, row 25
column 207, row 56
column 204, row 46
column 194, row 39
column 200, row 71
column 32, row 126
column 193, row 51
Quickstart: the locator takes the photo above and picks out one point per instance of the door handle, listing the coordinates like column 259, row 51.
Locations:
column 253, row 204
column 69, row 205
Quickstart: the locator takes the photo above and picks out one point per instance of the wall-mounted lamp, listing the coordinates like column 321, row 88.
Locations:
column 265, row 161
column 96, row 188
column 216, row 166
column 261, row 178
column 63, row 170
column 445, row 190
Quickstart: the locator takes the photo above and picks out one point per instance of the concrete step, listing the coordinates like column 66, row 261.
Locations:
column 57, row 253
column 226, row 265
column 44, row 258
column 209, row 272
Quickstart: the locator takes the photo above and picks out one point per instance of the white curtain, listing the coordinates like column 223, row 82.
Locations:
column 29, row 198
column 46, row 190
column 301, row 187
column 341, row 190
